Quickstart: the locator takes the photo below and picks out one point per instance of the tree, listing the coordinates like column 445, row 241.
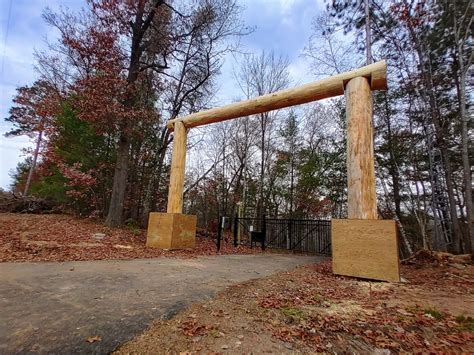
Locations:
column 260, row 75
column 289, row 133
column 32, row 116
column 417, row 26
column 321, row 170
column 194, row 64
column 422, row 160
column 119, row 60
column 461, row 21
column 329, row 52
column 111, row 47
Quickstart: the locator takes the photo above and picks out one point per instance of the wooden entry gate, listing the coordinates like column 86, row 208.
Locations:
column 361, row 244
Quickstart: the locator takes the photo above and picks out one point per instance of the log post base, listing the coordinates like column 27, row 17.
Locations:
column 171, row 231
column 365, row 248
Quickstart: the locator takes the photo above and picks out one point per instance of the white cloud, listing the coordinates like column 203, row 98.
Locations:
column 300, row 71
column 10, row 155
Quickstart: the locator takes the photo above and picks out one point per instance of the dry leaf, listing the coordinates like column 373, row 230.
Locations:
column 94, row 339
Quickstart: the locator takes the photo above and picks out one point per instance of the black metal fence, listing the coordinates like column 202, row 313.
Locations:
column 302, row 235
column 250, row 231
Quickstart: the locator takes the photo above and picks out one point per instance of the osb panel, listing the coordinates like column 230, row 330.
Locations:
column 365, row 248
column 171, row 231
column 184, row 231
column 160, row 226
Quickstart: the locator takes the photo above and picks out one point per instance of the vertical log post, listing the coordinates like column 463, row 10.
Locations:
column 362, row 246
column 361, row 197
column 174, row 230
column 178, row 165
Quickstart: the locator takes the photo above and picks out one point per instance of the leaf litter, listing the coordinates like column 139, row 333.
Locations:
column 59, row 237
column 309, row 310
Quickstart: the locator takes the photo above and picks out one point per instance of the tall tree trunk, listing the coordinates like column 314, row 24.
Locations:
column 139, row 28
column 457, row 234
column 467, row 175
column 446, row 158
column 292, row 182
column 420, row 216
column 154, row 181
column 260, row 205
column 114, row 217
column 134, row 189
column 224, row 178
column 429, row 94
column 393, row 166
column 33, row 164
column 368, row 35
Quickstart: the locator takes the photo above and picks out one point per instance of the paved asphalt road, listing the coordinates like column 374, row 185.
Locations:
column 55, row 307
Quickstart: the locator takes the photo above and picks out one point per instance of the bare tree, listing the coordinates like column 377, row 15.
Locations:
column 194, row 63
column 259, row 75
column 32, row 116
column 330, row 52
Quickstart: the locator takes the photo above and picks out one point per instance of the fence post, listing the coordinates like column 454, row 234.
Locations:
column 236, row 227
column 329, row 238
column 219, row 232
column 289, row 235
column 264, row 232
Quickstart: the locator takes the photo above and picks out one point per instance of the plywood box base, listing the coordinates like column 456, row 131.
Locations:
column 171, row 231
column 365, row 248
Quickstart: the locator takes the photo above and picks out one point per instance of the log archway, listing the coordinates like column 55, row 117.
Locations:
column 174, row 230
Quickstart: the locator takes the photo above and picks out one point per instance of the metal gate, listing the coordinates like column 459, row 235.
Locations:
column 302, row 235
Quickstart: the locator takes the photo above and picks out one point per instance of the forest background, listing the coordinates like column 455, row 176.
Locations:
column 120, row 69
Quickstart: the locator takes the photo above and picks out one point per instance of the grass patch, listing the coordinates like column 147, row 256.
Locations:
column 215, row 333
column 133, row 226
column 434, row 313
column 466, row 323
column 293, row 314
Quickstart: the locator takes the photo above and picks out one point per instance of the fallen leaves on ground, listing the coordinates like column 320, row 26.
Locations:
column 93, row 339
column 397, row 317
column 56, row 237
column 312, row 310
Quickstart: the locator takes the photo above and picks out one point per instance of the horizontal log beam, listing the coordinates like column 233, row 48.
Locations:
column 317, row 90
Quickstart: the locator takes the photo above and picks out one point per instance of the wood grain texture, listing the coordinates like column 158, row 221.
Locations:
column 171, row 231
column 178, row 166
column 321, row 89
column 361, row 197
column 365, row 248
column 378, row 79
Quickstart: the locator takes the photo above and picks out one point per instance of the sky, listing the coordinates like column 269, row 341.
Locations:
column 282, row 26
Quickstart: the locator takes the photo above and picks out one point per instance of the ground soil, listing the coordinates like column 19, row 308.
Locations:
column 304, row 310
column 56, row 237
column 311, row 310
